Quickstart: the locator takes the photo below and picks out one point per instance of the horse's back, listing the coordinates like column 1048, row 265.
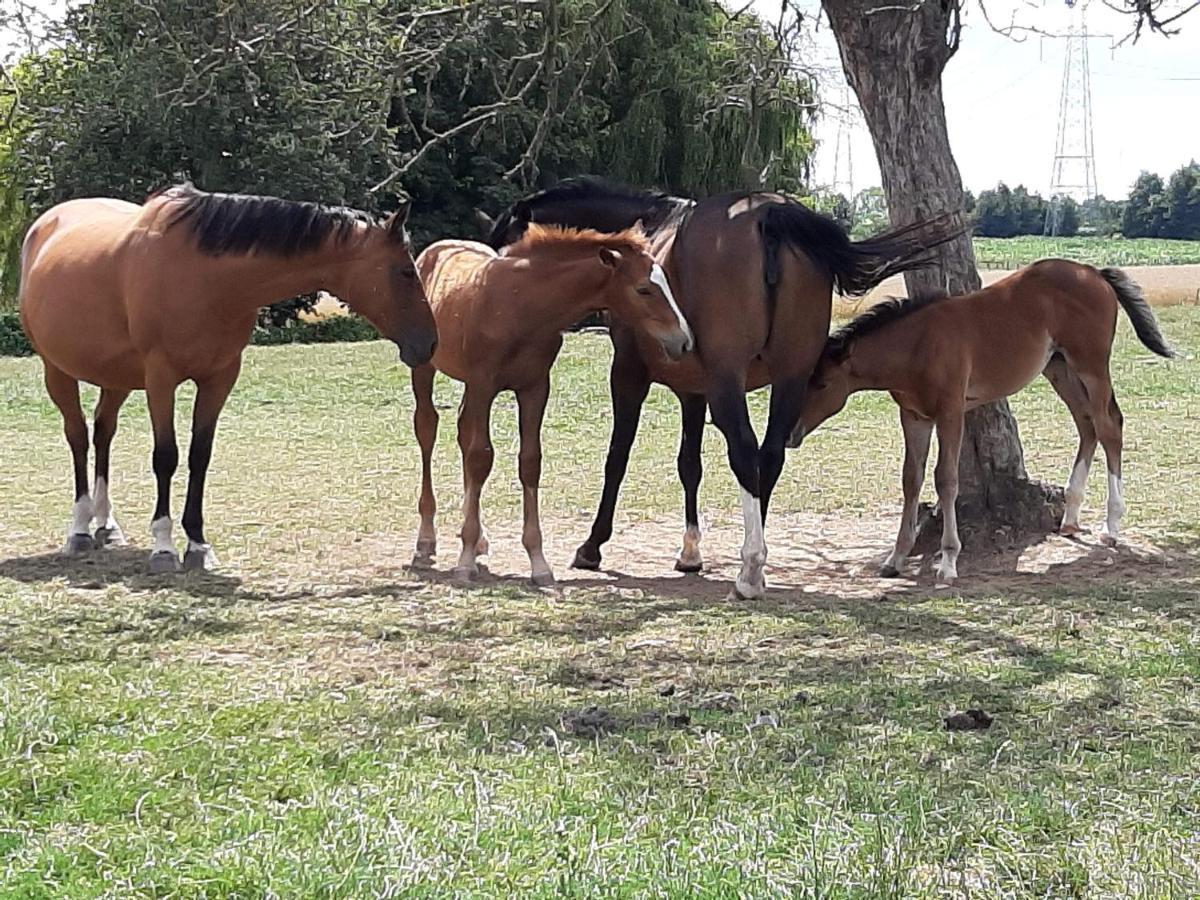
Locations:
column 447, row 266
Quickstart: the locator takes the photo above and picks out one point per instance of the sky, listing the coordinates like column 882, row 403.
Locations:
column 1002, row 99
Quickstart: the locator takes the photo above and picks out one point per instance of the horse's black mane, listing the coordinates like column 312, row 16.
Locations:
column 582, row 188
column 877, row 318
column 243, row 223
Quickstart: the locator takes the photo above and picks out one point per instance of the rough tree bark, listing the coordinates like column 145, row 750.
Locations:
column 893, row 55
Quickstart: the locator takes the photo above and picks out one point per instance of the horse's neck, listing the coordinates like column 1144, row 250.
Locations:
column 567, row 289
column 258, row 280
column 884, row 360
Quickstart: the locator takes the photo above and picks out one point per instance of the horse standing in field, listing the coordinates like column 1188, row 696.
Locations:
column 754, row 273
column 501, row 320
column 941, row 356
column 132, row 297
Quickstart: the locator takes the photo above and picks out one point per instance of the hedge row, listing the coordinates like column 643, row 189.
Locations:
column 327, row 331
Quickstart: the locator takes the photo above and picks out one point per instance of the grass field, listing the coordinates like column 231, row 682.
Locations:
column 317, row 720
column 1012, row 253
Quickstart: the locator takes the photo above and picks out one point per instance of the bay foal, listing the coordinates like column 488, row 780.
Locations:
column 132, row 297
column 501, row 320
column 939, row 357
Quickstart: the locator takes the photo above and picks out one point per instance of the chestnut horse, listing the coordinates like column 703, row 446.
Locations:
column 501, row 320
column 939, row 357
column 754, row 273
column 131, row 297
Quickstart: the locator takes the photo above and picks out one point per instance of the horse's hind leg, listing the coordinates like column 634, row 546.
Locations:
column 691, row 469
column 1109, row 424
column 211, row 395
column 629, row 384
column 475, row 442
column 727, row 398
column 64, row 391
column 945, row 476
column 1069, row 387
column 917, row 434
column 425, row 424
column 532, row 405
column 108, row 532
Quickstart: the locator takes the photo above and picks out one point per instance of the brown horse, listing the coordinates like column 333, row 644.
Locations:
column 131, row 297
column 754, row 273
column 501, row 320
column 939, row 357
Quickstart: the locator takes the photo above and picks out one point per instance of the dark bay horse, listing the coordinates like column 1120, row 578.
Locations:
column 754, row 274
column 501, row 320
column 146, row 297
column 941, row 356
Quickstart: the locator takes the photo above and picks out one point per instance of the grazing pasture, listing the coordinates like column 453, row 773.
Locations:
column 1012, row 253
column 316, row 719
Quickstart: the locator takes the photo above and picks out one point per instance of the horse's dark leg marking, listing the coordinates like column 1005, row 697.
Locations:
column 629, row 384
column 108, row 533
column 64, row 391
column 787, row 398
column 727, row 399
column 210, row 400
column 1068, row 387
column 691, row 469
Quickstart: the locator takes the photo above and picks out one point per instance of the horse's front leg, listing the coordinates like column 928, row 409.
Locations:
column 945, row 476
column 532, row 405
column 629, row 383
column 691, row 469
column 211, row 394
column 425, row 424
column 727, row 399
column 475, row 442
column 917, row 435
column 160, row 398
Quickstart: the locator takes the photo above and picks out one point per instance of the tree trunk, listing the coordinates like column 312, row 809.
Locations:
column 893, row 55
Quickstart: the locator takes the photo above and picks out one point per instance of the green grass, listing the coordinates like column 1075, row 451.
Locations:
column 1012, row 253
column 315, row 720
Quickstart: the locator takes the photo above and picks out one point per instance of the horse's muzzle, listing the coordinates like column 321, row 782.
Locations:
column 677, row 345
column 416, row 353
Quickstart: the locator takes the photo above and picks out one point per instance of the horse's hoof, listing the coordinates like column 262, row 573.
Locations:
column 889, row 571
column 164, row 561
column 1109, row 540
column 110, row 536
column 427, row 547
column 1070, row 530
column 199, row 559
column 688, row 566
column 947, row 580
column 586, row 558
column 422, row 560
column 746, row 592
column 543, row 579
column 78, row 545
column 464, row 574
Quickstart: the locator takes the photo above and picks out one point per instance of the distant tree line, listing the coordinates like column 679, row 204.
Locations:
column 1170, row 211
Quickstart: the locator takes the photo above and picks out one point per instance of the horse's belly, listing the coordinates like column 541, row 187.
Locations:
column 86, row 336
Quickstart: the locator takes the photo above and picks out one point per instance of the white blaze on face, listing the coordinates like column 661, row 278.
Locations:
column 659, row 277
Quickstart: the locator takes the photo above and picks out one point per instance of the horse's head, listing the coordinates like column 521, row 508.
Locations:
column 640, row 296
column 383, row 287
column 828, row 388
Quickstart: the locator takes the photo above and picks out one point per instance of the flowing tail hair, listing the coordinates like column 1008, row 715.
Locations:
column 1129, row 295
column 855, row 266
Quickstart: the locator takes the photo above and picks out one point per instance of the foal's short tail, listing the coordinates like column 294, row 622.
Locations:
column 856, row 266
column 1144, row 324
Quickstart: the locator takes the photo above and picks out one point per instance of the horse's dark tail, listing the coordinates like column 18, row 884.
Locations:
column 855, row 266
column 1134, row 303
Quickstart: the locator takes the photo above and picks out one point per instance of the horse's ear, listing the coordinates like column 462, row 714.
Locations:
column 486, row 222
column 522, row 212
column 640, row 227
column 610, row 257
column 396, row 221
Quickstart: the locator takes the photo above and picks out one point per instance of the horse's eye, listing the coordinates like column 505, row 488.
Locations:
column 644, row 291
column 409, row 273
